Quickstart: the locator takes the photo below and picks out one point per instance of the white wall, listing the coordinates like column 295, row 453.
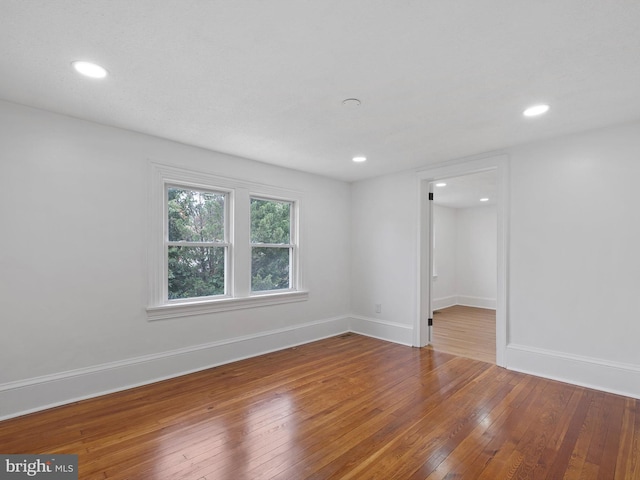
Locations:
column 445, row 222
column 476, row 271
column 465, row 256
column 575, row 258
column 384, row 234
column 73, row 272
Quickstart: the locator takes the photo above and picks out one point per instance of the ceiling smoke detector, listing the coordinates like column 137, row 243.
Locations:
column 351, row 102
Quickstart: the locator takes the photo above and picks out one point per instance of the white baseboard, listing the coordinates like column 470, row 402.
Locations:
column 444, row 302
column 613, row 377
column 467, row 301
column 31, row 395
column 384, row 330
column 478, row 302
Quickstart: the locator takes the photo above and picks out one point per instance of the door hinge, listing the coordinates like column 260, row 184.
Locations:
column 430, row 195
column 430, row 322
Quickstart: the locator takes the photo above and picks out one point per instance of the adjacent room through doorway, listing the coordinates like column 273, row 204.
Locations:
column 464, row 266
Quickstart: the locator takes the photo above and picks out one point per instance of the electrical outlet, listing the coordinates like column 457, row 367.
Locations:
column 378, row 308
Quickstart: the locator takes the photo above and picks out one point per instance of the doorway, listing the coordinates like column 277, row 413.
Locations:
column 430, row 297
column 464, row 278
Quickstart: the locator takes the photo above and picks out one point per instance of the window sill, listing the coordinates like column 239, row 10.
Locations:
column 187, row 309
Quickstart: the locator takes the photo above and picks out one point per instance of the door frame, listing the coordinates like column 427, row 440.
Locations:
column 425, row 178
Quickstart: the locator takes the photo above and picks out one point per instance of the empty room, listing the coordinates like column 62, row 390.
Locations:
column 224, row 252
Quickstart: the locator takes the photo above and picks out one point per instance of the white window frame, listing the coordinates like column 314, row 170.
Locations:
column 292, row 245
column 238, row 293
column 226, row 244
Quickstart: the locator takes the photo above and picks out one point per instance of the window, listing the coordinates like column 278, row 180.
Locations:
column 196, row 243
column 272, row 248
column 220, row 244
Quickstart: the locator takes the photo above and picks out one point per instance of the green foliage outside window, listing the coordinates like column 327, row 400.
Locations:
column 270, row 224
column 195, row 217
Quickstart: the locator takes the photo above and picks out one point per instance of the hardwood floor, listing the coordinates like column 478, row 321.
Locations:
column 347, row 407
column 465, row 331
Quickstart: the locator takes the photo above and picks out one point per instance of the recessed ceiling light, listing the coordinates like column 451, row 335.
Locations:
column 484, row 199
column 536, row 110
column 359, row 159
column 441, row 184
column 89, row 69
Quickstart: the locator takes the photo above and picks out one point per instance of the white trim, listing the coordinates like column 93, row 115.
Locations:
column 614, row 377
column 187, row 309
column 455, row 168
column 445, row 302
column 424, row 287
column 452, row 300
column 35, row 394
column 478, row 302
column 381, row 329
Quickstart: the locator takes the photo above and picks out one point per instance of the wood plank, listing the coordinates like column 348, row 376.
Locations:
column 465, row 331
column 347, row 407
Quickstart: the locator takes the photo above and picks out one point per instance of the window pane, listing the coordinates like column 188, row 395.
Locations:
column 195, row 216
column 196, row 271
column 270, row 221
column 269, row 268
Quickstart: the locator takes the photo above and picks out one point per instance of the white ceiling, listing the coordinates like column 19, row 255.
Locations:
column 466, row 191
column 438, row 79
